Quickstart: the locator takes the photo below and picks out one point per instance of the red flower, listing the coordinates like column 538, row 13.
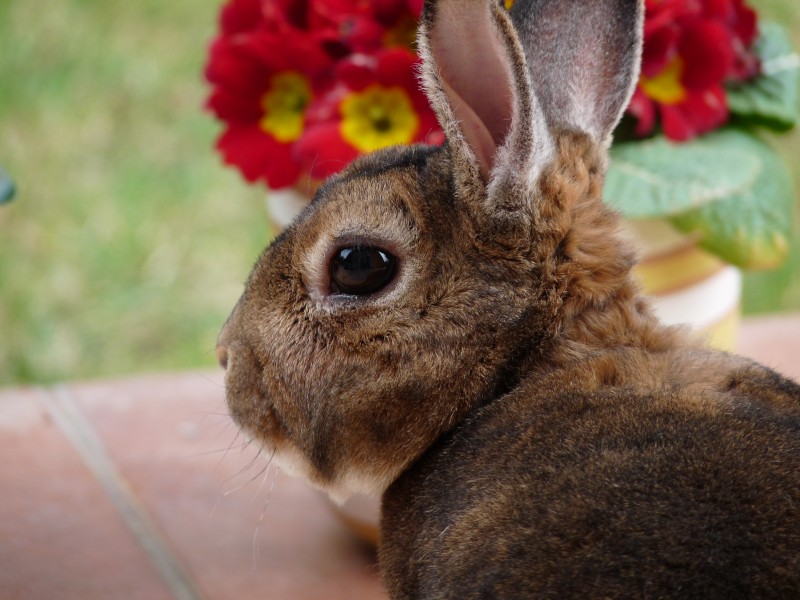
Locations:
column 273, row 59
column 342, row 27
column 308, row 85
column 263, row 83
column 377, row 103
column 691, row 48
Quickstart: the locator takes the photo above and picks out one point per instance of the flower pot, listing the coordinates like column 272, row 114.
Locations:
column 687, row 284
column 284, row 205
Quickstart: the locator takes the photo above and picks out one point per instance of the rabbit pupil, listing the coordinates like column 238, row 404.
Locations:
column 360, row 270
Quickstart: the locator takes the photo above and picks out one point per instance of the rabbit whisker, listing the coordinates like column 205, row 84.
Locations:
column 263, row 508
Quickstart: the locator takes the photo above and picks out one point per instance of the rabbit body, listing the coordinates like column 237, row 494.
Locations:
column 607, row 491
column 493, row 371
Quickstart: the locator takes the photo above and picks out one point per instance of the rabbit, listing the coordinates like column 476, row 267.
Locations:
column 456, row 330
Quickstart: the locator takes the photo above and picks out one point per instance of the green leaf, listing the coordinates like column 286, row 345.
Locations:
column 751, row 228
column 6, row 187
column 773, row 98
column 657, row 178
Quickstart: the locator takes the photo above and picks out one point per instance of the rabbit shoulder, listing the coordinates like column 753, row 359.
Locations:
column 565, row 490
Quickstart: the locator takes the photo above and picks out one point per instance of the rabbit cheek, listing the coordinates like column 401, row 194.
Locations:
column 248, row 404
column 256, row 411
column 250, row 392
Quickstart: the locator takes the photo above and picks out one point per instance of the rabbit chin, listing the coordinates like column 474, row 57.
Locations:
column 291, row 461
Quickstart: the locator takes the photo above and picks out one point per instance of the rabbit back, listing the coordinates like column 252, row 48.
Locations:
column 682, row 492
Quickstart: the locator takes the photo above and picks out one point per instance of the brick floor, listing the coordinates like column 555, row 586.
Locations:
column 140, row 488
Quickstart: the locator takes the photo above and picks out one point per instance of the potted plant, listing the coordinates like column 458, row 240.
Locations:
column 302, row 87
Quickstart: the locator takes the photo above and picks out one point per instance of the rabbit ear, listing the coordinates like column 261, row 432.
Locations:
column 584, row 59
column 477, row 82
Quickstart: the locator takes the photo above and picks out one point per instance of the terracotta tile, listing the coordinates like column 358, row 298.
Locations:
column 60, row 537
column 774, row 341
column 241, row 531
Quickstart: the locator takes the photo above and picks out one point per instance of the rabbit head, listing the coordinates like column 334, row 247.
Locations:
column 421, row 282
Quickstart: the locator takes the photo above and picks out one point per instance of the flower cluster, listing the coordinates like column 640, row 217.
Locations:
column 692, row 48
column 305, row 86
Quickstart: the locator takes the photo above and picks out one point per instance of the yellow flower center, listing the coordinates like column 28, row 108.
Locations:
column 284, row 106
column 378, row 117
column 666, row 87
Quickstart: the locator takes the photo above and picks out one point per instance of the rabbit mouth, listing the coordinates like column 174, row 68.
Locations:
column 282, row 453
column 287, row 457
column 258, row 419
column 267, row 430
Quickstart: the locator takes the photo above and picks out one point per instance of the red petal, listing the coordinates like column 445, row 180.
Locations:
column 700, row 113
column 665, row 13
column 644, row 110
column 327, row 13
column 659, row 48
column 325, row 107
column 296, row 12
column 429, row 130
column 240, row 15
column 290, row 50
column 396, row 66
column 744, row 23
column 362, row 34
column 717, row 9
column 229, row 107
column 322, row 150
column 435, row 138
column 389, row 12
column 258, row 156
column 356, row 71
column 706, row 48
column 415, row 6
column 233, row 68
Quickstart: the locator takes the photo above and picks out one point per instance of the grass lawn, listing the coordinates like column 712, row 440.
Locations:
column 128, row 242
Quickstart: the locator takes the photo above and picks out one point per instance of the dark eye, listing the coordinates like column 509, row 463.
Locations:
column 361, row 270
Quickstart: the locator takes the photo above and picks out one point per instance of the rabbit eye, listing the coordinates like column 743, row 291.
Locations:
column 361, row 270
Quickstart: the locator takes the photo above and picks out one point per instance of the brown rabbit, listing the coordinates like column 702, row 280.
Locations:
column 456, row 328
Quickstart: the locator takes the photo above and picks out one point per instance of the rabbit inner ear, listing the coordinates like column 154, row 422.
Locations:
column 475, row 75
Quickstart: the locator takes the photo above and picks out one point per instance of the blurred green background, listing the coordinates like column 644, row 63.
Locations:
column 128, row 241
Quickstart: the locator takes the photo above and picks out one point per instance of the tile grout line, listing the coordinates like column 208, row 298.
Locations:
column 94, row 454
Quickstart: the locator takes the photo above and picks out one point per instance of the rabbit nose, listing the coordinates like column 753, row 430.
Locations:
column 222, row 356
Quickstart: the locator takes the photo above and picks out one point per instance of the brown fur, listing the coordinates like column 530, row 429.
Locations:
column 536, row 431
